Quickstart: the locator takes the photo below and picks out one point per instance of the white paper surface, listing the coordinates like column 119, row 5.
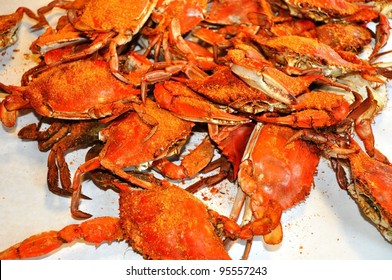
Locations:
column 328, row 225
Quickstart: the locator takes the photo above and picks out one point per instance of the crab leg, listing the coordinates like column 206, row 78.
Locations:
column 99, row 42
column 241, row 201
column 363, row 116
column 9, row 25
column 314, row 109
column 97, row 231
column 266, row 81
column 224, row 172
column 8, row 114
column 93, row 164
column 81, row 135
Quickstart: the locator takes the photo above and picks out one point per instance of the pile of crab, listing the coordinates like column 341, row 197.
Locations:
column 269, row 84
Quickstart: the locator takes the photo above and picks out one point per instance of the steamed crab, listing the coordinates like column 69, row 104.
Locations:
column 258, row 72
column 307, row 53
column 246, row 124
column 148, row 134
column 370, row 188
column 159, row 232
column 343, row 11
column 270, row 152
column 369, row 179
column 107, row 23
column 60, row 92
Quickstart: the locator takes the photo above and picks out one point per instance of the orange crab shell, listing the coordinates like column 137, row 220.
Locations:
column 287, row 50
column 158, row 232
column 134, row 134
column 190, row 13
column 319, row 10
column 83, row 89
column 345, row 37
column 225, row 88
column 119, row 15
column 283, row 170
column 225, row 12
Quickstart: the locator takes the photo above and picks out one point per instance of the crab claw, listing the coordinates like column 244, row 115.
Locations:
column 259, row 73
column 190, row 165
column 8, row 118
column 186, row 104
column 265, row 80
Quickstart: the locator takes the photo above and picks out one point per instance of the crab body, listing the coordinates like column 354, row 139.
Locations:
column 83, row 89
column 224, row 88
column 275, row 176
column 187, row 234
column 370, row 188
column 344, row 37
column 305, row 53
column 120, row 16
column 147, row 135
column 162, row 131
column 107, row 23
column 343, row 11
